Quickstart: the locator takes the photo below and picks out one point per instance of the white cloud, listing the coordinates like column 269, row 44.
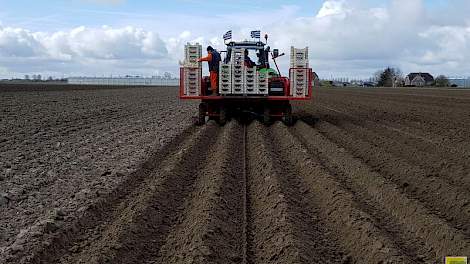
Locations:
column 83, row 45
column 97, row 43
column 17, row 42
column 450, row 44
column 332, row 8
column 346, row 38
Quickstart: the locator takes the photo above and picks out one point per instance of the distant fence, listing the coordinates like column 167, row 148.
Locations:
column 123, row 81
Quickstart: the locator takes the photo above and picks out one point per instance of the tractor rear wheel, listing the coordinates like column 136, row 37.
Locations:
column 222, row 116
column 201, row 120
column 267, row 115
column 287, row 116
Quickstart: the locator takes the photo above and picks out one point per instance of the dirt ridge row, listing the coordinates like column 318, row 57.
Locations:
column 210, row 230
column 52, row 246
column 448, row 163
column 409, row 177
column 313, row 193
column 278, row 229
column 412, row 223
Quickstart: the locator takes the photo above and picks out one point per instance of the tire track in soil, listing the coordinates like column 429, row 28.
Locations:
column 354, row 228
column 210, row 230
column 282, row 227
column 412, row 225
column 133, row 222
column 447, row 201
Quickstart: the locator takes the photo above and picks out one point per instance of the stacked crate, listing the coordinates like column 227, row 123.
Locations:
column 298, row 58
column 192, row 81
column 192, row 54
column 192, row 70
column 251, row 84
column 238, row 71
column 225, row 78
column 299, row 73
column 262, row 80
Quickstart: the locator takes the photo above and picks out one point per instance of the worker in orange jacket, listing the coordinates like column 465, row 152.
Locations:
column 213, row 58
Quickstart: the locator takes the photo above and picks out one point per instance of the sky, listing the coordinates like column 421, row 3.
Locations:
column 346, row 38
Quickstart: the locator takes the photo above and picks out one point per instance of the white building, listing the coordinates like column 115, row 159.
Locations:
column 419, row 79
column 124, row 81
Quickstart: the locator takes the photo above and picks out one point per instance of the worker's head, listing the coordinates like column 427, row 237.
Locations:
column 210, row 49
column 246, row 52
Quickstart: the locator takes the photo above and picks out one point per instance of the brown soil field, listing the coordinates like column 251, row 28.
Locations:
column 122, row 176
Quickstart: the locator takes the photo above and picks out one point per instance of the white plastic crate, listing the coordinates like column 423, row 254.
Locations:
column 238, row 71
column 225, row 88
column 225, row 72
column 225, row 78
column 225, row 68
column 193, row 49
column 299, row 89
column 250, row 73
column 299, row 58
column 192, row 54
column 238, row 88
column 238, row 79
column 238, row 57
column 192, row 81
column 251, row 86
column 299, row 81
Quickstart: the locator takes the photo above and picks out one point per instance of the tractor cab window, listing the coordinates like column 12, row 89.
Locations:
column 251, row 57
column 257, row 54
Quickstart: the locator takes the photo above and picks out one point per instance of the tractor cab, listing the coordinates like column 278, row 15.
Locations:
column 277, row 85
column 252, row 47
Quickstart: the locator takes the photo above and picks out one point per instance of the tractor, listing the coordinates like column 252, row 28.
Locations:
column 257, row 91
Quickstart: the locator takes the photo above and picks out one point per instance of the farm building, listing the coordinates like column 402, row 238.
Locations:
column 419, row 79
column 316, row 80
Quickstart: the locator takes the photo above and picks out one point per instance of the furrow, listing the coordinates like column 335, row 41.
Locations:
column 365, row 241
column 210, row 228
column 448, row 164
column 416, row 226
column 446, row 201
column 136, row 227
column 274, row 233
column 451, row 137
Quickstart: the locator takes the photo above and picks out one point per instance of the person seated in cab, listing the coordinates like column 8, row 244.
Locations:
column 248, row 61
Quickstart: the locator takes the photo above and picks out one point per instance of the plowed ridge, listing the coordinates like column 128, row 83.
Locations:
column 255, row 194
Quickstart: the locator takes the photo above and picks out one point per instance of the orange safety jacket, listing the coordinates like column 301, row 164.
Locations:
column 214, row 60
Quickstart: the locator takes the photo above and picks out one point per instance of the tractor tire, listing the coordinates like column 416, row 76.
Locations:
column 287, row 116
column 267, row 116
column 201, row 120
column 222, row 116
